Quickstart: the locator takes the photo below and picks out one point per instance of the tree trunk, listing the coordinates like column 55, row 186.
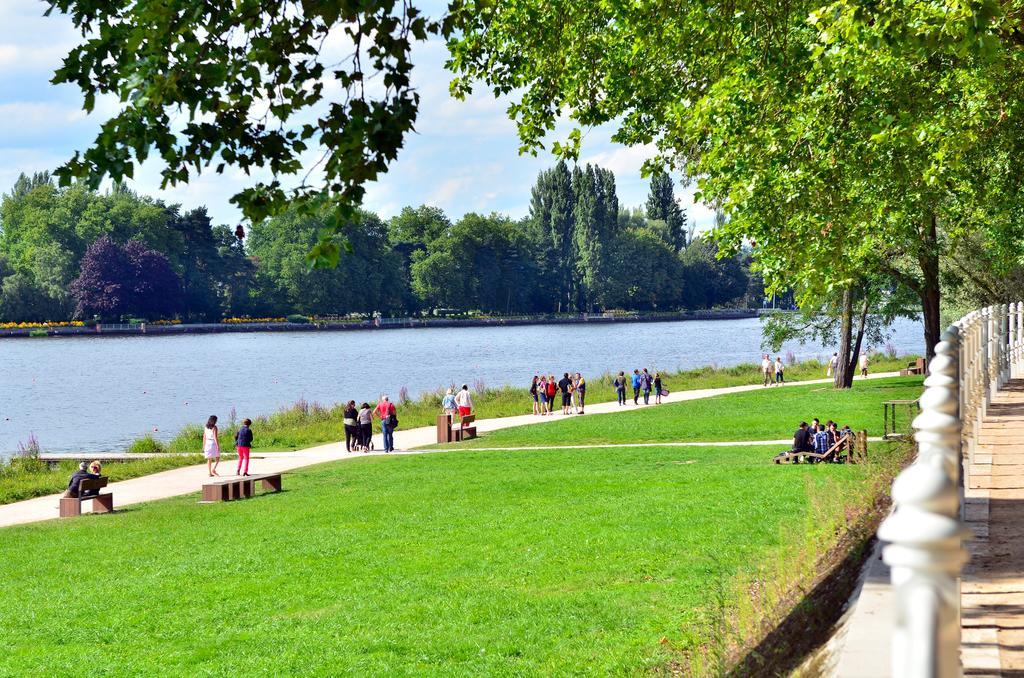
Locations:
column 855, row 353
column 928, row 259
column 844, row 372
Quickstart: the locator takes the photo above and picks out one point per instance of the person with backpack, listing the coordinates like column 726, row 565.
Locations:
column 565, row 386
column 542, row 393
column 636, row 387
column 580, row 392
column 620, row 388
column 533, row 394
column 645, row 386
column 388, row 422
column 552, row 392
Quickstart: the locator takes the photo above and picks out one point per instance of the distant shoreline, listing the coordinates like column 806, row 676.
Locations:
column 375, row 324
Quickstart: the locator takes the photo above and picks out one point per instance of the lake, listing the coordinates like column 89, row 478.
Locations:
column 99, row 393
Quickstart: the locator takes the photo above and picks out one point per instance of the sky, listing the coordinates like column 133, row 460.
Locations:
column 463, row 158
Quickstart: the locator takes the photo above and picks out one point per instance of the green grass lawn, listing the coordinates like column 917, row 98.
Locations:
column 463, row 563
column 764, row 414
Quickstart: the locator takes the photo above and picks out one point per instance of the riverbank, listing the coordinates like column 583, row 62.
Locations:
column 316, row 325
column 479, row 540
column 307, row 425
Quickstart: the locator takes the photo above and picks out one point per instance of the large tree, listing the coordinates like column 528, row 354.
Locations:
column 662, row 206
column 833, row 145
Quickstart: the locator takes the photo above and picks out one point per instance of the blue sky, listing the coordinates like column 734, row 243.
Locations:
column 464, row 157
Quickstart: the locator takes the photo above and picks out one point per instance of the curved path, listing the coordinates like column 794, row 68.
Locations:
column 189, row 479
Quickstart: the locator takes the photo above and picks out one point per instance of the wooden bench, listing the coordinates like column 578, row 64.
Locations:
column 916, row 367
column 230, row 489
column 448, row 432
column 101, row 503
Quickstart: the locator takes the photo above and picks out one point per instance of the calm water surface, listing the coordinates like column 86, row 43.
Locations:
column 99, row 393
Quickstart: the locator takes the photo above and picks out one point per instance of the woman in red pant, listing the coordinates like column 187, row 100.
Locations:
column 243, row 444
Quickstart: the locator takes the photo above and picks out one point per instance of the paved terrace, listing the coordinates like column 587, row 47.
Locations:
column 992, row 590
column 189, row 479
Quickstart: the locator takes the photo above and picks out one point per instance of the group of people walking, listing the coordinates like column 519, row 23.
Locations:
column 359, row 425
column 644, row 383
column 545, row 391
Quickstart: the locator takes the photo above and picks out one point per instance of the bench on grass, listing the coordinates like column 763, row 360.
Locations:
column 101, row 503
column 855, row 446
column 916, row 367
column 447, row 432
column 230, row 489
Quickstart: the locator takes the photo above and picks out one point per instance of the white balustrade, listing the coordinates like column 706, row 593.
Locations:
column 976, row 356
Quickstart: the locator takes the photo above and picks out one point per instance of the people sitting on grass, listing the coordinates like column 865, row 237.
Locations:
column 77, row 477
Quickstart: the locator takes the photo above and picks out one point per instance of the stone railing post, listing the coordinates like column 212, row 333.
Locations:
column 924, row 532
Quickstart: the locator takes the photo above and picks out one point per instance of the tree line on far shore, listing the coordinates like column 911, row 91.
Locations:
column 71, row 252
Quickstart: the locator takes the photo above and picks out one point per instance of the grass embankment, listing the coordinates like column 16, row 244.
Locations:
column 467, row 563
column 764, row 414
column 305, row 424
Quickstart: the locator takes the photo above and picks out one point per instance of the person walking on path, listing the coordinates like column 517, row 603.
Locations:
column 465, row 401
column 542, row 393
column 448, row 404
column 552, row 393
column 645, row 386
column 533, row 394
column 565, row 386
column 243, row 445
column 833, row 362
column 350, row 417
column 620, row 388
column 657, row 388
column 780, row 370
column 636, row 387
column 864, row 364
column 365, row 419
column 766, row 369
column 388, row 419
column 581, row 391
column 211, row 445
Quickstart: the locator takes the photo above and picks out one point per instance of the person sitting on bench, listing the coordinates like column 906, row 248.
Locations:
column 77, row 477
column 802, row 439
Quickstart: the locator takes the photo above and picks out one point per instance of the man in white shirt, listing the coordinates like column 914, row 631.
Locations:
column 766, row 369
column 864, row 364
column 833, row 362
column 464, row 401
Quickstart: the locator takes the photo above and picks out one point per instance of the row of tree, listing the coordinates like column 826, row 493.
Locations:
column 74, row 252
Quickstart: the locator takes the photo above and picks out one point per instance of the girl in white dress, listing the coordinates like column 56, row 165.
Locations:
column 211, row 446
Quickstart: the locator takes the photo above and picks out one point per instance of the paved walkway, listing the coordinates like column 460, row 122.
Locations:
column 992, row 590
column 189, row 479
